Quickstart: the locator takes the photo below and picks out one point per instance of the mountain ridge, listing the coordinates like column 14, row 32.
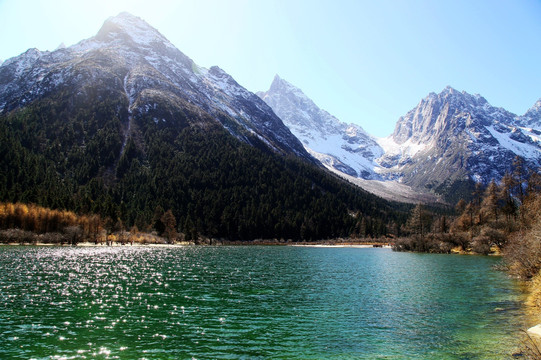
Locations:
column 152, row 62
column 445, row 144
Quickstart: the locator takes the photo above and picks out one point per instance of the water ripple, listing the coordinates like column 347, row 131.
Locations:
column 251, row 303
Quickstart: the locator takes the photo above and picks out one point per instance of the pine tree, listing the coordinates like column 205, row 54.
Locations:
column 477, row 195
column 157, row 223
column 519, row 177
column 506, row 195
column 460, row 206
column 190, row 233
column 419, row 221
column 170, row 226
column 489, row 206
column 534, row 184
column 441, row 225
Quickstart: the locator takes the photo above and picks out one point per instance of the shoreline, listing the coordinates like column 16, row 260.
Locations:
column 358, row 246
column 181, row 244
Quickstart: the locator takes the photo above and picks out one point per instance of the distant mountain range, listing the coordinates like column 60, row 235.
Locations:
column 125, row 125
column 442, row 147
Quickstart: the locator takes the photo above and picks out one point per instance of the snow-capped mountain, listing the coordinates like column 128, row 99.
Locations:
column 455, row 137
column 446, row 143
column 343, row 147
column 130, row 57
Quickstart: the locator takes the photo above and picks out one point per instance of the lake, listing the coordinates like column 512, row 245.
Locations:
column 253, row 303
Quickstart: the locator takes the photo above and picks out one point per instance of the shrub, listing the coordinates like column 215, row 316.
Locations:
column 17, row 236
column 523, row 252
column 52, row 238
column 481, row 244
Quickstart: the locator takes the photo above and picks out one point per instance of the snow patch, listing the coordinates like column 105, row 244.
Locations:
column 139, row 30
column 409, row 148
column 521, row 149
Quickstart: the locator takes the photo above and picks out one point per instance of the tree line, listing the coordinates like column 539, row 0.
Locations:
column 32, row 224
column 486, row 223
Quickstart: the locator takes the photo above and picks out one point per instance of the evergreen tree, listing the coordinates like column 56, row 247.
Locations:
column 170, row 225
column 460, row 206
column 506, row 195
column 519, row 177
column 534, row 183
column 157, row 222
column 489, row 205
column 419, row 221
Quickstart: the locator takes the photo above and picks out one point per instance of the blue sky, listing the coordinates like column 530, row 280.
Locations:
column 366, row 62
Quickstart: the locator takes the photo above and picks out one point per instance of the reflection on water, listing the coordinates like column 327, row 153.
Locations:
column 252, row 302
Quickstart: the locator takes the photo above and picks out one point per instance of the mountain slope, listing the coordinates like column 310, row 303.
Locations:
column 134, row 60
column 344, row 147
column 125, row 125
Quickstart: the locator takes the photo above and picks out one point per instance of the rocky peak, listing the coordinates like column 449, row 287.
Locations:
column 280, row 85
column 284, row 88
column 128, row 27
column 532, row 117
column 437, row 113
column 296, row 109
column 345, row 148
column 277, row 84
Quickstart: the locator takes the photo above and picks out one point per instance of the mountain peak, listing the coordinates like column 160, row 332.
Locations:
column 127, row 21
column 537, row 106
column 130, row 27
column 457, row 98
column 342, row 147
column 437, row 113
column 449, row 90
column 281, row 86
column 279, row 83
column 532, row 117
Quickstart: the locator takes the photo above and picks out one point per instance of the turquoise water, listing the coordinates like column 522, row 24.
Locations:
column 253, row 303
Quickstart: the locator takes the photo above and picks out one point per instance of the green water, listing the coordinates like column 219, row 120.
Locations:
column 253, row 303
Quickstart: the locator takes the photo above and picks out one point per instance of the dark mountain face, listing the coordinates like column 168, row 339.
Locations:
column 132, row 60
column 123, row 124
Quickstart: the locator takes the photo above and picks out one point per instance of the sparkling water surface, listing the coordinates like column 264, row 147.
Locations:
column 253, row 303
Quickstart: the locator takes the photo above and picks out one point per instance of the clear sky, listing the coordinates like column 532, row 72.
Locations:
column 366, row 62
